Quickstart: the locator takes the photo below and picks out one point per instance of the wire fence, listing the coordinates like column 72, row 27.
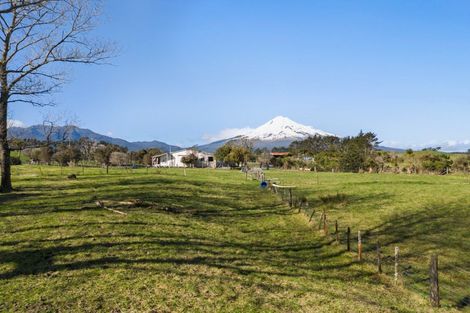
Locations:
column 436, row 276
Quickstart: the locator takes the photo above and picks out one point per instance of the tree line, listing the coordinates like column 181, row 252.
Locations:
column 360, row 153
column 82, row 151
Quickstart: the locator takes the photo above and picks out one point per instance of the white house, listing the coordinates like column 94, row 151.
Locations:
column 204, row 159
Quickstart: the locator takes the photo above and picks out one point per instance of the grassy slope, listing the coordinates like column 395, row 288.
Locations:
column 421, row 214
column 222, row 246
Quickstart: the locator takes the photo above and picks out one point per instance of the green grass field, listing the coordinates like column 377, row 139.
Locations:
column 213, row 242
column 421, row 214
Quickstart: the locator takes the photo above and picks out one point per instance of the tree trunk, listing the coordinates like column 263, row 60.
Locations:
column 5, row 185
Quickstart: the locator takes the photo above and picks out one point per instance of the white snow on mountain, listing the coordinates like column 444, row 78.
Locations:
column 281, row 127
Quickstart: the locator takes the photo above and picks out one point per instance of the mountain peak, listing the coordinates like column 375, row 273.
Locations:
column 281, row 119
column 282, row 127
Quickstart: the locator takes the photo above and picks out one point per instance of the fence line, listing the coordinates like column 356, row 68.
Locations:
column 395, row 262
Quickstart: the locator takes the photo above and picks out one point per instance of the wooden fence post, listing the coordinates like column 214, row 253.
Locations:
column 397, row 250
column 336, row 231
column 434, row 280
column 325, row 225
column 290, row 197
column 321, row 219
column 311, row 215
column 379, row 258
column 359, row 246
column 348, row 239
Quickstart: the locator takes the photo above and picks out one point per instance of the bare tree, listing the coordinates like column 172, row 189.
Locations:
column 58, row 127
column 119, row 158
column 56, row 130
column 38, row 38
column 86, row 147
column 49, row 128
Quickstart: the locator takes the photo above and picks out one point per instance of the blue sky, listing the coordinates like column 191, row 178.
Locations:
column 186, row 70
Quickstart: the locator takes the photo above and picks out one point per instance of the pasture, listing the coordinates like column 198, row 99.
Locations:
column 212, row 241
column 420, row 214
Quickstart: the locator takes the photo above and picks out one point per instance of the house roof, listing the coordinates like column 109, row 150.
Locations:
column 183, row 152
column 159, row 155
column 279, row 153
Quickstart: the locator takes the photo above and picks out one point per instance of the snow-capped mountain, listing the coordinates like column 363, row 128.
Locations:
column 278, row 132
column 281, row 128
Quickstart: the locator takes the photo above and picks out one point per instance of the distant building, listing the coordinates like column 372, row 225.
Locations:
column 204, row 159
column 279, row 154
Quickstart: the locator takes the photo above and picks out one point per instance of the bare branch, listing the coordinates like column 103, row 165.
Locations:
column 33, row 102
column 42, row 36
column 10, row 6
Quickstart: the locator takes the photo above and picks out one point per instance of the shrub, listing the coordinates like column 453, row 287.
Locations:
column 436, row 162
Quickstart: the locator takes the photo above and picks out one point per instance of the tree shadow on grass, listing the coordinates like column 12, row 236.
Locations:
column 13, row 197
column 70, row 226
column 440, row 228
column 240, row 257
column 464, row 302
column 254, row 253
column 343, row 200
column 432, row 227
column 179, row 201
column 393, row 182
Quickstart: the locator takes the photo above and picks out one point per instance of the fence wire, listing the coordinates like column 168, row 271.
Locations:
column 409, row 269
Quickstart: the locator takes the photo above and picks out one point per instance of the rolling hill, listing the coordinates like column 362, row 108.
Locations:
column 37, row 132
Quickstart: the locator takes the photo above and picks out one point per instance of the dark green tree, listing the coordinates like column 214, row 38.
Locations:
column 190, row 160
column 356, row 151
column 233, row 154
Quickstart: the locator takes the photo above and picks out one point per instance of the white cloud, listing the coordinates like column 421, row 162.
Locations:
column 391, row 143
column 227, row 133
column 453, row 143
column 15, row 123
column 450, row 145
